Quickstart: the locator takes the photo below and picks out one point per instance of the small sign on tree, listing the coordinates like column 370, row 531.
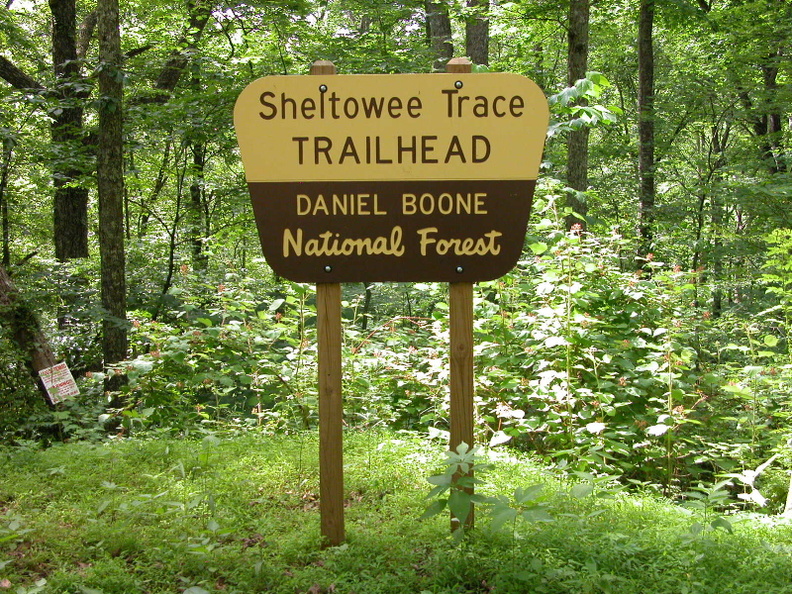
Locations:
column 59, row 383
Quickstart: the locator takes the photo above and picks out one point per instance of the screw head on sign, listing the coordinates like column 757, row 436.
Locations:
column 328, row 268
column 460, row 270
column 323, row 88
column 458, row 84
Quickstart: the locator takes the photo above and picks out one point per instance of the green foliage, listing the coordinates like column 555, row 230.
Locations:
column 577, row 106
column 583, row 358
column 223, row 355
column 19, row 398
column 458, row 481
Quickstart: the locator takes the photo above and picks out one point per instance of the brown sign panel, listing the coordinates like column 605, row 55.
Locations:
column 391, row 177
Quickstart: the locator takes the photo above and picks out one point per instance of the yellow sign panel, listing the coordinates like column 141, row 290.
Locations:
column 391, row 127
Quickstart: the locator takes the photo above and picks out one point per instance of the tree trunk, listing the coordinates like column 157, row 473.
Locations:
column 111, row 185
column 70, row 210
column 577, row 140
column 5, row 169
column 366, row 305
column 718, row 140
column 772, row 150
column 438, row 26
column 196, row 216
column 646, row 128
column 477, row 32
column 24, row 329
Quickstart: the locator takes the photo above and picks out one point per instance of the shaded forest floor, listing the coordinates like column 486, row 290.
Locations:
column 240, row 514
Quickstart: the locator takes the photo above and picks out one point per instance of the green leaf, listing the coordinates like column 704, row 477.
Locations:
column 722, row 523
column 597, row 78
column 657, row 430
column 742, row 391
column 435, row 508
column 462, row 448
column 500, row 515
column 522, row 496
column 581, row 490
column 771, row 340
column 537, row 514
column 499, row 438
column 443, row 480
column 439, row 490
column 459, row 503
column 538, row 248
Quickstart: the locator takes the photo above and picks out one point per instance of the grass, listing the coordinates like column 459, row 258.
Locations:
column 240, row 514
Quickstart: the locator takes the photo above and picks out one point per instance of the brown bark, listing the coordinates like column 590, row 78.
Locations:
column 577, row 140
column 5, row 168
column 772, row 149
column 477, row 32
column 109, row 169
column 16, row 77
column 438, row 26
column 87, row 28
column 70, row 200
column 197, row 212
column 24, row 328
column 70, row 205
column 200, row 11
column 646, row 127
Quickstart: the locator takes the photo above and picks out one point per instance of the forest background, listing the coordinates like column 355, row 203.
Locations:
column 643, row 335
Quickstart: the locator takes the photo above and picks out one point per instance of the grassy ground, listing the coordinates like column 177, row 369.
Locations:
column 241, row 515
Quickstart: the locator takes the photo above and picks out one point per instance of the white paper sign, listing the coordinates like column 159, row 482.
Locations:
column 59, row 382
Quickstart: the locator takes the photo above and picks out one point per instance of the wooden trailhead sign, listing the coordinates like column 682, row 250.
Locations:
column 409, row 177
column 396, row 177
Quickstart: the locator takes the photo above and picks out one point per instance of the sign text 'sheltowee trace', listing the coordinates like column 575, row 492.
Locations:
column 410, row 177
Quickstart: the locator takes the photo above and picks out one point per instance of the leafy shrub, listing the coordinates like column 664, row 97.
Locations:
column 231, row 356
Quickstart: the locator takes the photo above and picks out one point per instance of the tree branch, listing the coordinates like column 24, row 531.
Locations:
column 86, row 33
column 16, row 77
column 200, row 11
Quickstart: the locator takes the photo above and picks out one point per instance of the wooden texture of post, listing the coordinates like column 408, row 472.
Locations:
column 331, row 448
column 461, row 337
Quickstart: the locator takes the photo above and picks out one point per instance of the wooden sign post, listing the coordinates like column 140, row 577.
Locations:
column 410, row 177
column 460, row 304
column 331, row 422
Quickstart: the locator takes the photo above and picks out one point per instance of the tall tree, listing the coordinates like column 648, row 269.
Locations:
column 71, row 195
column 577, row 140
column 110, row 178
column 438, row 26
column 70, row 206
column 6, row 157
column 477, row 31
column 198, row 218
column 646, row 126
